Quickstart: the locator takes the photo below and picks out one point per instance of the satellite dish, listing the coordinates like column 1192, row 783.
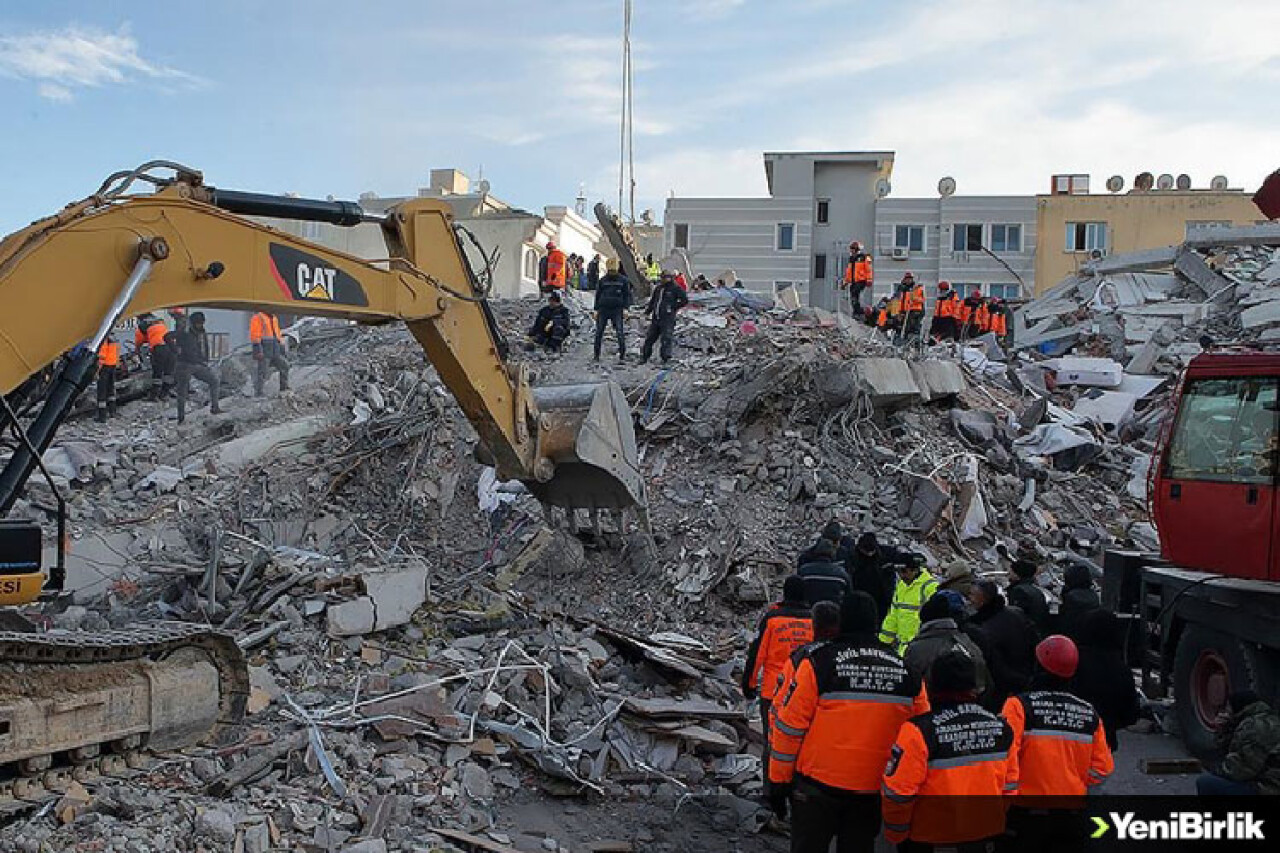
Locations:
column 883, row 188
column 1144, row 182
column 1218, row 183
column 947, row 186
column 1184, row 182
column 483, row 186
column 1115, row 183
column 646, row 216
column 1164, row 182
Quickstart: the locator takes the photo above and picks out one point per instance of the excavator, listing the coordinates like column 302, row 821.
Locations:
column 156, row 237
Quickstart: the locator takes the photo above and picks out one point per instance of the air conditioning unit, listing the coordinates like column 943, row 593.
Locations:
column 900, row 253
column 1097, row 254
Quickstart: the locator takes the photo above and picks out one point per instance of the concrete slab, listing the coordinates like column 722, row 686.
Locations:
column 1257, row 235
column 1192, row 267
column 1078, row 370
column 938, row 379
column 396, row 596
column 239, row 453
column 888, row 381
column 1266, row 314
column 1134, row 261
column 1112, row 409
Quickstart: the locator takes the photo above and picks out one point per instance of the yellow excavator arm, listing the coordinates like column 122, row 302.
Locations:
column 66, row 279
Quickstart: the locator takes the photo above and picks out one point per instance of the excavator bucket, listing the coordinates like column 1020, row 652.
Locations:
column 588, row 436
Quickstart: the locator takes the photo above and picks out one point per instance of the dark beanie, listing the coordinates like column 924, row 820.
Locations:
column 858, row 614
column 937, row 607
column 793, row 589
column 832, row 530
column 1024, row 568
column 952, row 672
column 990, row 591
column 1077, row 577
column 824, row 548
column 867, row 542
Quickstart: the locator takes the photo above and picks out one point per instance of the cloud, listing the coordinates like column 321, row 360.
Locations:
column 704, row 10
column 62, row 61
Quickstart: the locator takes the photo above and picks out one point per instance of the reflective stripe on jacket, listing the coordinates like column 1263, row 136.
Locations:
column 1060, row 742
column 946, row 776
column 903, row 622
column 998, row 323
column 840, row 713
column 782, row 631
column 556, row 273
column 913, row 299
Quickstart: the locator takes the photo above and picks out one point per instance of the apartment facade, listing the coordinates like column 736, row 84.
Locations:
column 796, row 237
column 984, row 244
column 1075, row 225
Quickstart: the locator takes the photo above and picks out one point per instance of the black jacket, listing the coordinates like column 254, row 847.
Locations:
column 557, row 317
column 667, row 299
column 823, row 582
column 1031, row 600
column 613, row 293
column 1103, row 678
column 871, row 574
column 193, row 347
column 593, row 274
column 1078, row 598
column 1008, row 641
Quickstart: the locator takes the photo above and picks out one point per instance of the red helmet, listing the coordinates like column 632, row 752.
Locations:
column 1058, row 655
column 944, row 285
column 551, row 245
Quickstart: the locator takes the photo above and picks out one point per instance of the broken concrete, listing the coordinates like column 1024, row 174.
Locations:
column 938, row 379
column 888, row 382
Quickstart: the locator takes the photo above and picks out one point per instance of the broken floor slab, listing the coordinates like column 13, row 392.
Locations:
column 291, row 437
column 888, row 381
column 938, row 379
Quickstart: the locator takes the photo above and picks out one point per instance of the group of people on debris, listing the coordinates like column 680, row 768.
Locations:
column 179, row 354
column 557, row 270
column 613, row 296
column 882, row 687
column 901, row 314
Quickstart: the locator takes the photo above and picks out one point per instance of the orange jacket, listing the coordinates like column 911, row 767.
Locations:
column 946, row 305
column 782, row 630
column 998, row 323
column 1060, row 742
column 946, row 776
column 153, row 336
column 838, row 715
column 109, row 354
column 556, row 268
column 982, row 318
column 913, row 299
column 264, row 326
column 858, row 269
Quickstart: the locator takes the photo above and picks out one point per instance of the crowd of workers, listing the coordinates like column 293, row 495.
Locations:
column 613, row 296
column 942, row 712
column 179, row 351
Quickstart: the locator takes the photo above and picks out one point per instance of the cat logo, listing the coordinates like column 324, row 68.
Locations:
column 305, row 277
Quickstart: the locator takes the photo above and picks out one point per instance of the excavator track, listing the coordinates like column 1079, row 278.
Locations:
column 75, row 706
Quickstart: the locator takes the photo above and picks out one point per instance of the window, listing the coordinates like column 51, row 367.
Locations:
column 1226, row 431
column 1086, row 236
column 786, row 237
column 966, row 288
column 909, row 237
column 682, row 235
column 1004, row 291
column 530, row 270
column 1006, row 238
column 824, row 211
column 819, row 267
column 1198, row 224
column 966, row 238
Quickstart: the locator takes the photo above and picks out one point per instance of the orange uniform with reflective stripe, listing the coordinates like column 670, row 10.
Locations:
column 152, row 337
column 946, row 776
column 1060, row 743
column 109, row 354
column 982, row 318
column 945, row 306
column 783, row 630
column 998, row 324
column 556, row 268
column 858, row 270
column 913, row 299
column 836, row 718
column 264, row 326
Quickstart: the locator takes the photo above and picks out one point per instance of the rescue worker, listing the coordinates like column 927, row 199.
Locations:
column 193, row 360
column 826, row 626
column 824, row 577
column 149, row 338
column 1103, row 677
column 555, row 271
column 550, row 328
column 1250, row 736
column 869, row 571
column 915, row 586
column 1025, row 595
column 945, row 304
column 653, row 270
column 593, row 272
column 999, row 323
column 667, row 299
column 1062, row 751
column 950, row 768
column 982, row 318
column 1008, row 640
column 785, row 627
column 832, row 531
column 912, row 306
column 1078, row 598
column 968, row 309
column 613, row 298
column 268, row 351
column 835, row 723
column 939, row 634
column 858, row 275
column 108, row 371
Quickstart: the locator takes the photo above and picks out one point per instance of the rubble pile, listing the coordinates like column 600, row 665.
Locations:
column 434, row 668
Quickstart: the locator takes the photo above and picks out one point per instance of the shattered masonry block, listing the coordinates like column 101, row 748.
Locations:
column 888, row 381
column 938, row 379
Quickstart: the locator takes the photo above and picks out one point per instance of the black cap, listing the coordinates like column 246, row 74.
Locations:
column 867, row 543
column 937, row 607
column 858, row 614
column 1024, row 568
column 196, row 318
column 953, row 672
column 832, row 530
column 824, row 548
column 555, row 296
column 793, row 589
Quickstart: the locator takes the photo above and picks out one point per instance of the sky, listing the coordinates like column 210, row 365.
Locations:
column 336, row 98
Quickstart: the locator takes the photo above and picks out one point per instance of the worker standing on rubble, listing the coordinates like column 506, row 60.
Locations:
column 613, row 298
column 968, row 310
column 832, row 531
column 945, row 304
column 149, row 338
column 858, row 276
column 785, row 627
column 108, row 367
column 912, row 306
column 867, row 565
column 268, row 351
column 193, row 360
column 667, row 299
column 824, row 577
column 999, row 323
column 653, row 270
column 914, row 588
column 593, row 272
column 1062, row 751
column 951, row 768
column 1028, row 597
column 554, row 271
column 834, row 725
column 550, row 328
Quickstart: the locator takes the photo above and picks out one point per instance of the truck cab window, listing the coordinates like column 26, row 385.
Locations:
column 1226, row 431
